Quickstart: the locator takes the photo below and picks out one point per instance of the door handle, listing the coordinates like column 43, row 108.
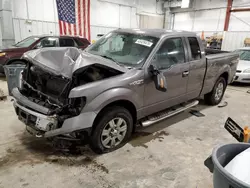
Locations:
column 185, row 73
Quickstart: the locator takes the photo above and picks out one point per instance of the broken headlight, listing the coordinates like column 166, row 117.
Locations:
column 76, row 105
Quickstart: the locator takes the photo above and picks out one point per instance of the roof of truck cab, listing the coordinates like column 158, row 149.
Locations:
column 156, row 32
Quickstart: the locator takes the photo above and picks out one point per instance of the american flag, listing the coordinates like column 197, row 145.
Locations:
column 74, row 17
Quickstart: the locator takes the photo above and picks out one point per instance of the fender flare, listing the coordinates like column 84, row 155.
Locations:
column 222, row 70
column 112, row 95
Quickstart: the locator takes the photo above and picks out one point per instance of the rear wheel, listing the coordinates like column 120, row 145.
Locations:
column 216, row 95
column 112, row 130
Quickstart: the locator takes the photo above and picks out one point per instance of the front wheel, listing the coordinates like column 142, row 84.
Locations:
column 112, row 130
column 216, row 95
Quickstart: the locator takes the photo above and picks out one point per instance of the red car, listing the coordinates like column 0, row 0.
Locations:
column 14, row 53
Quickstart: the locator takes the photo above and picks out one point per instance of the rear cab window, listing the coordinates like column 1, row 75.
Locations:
column 81, row 42
column 66, row 42
column 194, row 48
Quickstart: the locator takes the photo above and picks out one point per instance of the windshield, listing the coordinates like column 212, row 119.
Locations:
column 124, row 48
column 244, row 54
column 26, row 42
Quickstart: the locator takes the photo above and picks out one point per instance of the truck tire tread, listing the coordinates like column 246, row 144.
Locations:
column 106, row 116
column 210, row 97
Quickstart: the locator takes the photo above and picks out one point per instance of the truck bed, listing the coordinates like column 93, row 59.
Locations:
column 209, row 51
column 218, row 61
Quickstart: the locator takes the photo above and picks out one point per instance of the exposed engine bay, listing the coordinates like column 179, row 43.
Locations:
column 51, row 91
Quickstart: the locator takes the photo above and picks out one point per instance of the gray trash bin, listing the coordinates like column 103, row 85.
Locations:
column 221, row 156
column 12, row 73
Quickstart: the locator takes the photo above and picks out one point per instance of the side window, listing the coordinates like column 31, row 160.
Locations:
column 82, row 42
column 65, row 42
column 170, row 53
column 47, row 42
column 195, row 48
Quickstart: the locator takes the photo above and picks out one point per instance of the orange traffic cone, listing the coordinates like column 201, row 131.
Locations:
column 202, row 35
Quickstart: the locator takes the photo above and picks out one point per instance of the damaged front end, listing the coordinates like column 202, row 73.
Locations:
column 42, row 102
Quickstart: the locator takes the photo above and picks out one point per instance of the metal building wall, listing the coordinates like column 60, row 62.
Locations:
column 209, row 16
column 233, row 40
column 36, row 17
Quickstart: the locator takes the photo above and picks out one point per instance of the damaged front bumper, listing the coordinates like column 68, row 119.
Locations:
column 35, row 120
column 42, row 125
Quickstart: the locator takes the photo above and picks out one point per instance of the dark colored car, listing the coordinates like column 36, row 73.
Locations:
column 14, row 53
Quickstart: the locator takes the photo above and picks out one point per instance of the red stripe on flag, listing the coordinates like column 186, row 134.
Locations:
column 84, row 18
column 89, row 20
column 74, row 29
column 79, row 17
column 60, row 27
column 69, row 29
column 64, row 28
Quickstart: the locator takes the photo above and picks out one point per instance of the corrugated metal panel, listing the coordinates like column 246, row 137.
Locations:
column 17, row 32
column 209, row 20
column 95, row 30
column 206, row 20
column 151, row 22
column 239, row 21
column 125, row 17
column 23, row 29
column 184, row 21
column 234, row 40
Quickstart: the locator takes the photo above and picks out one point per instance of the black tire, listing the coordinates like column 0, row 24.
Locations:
column 210, row 98
column 107, row 115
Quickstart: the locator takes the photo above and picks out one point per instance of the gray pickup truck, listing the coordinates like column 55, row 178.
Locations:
column 128, row 78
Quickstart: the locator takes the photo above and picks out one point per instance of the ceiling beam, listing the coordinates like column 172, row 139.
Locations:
column 229, row 8
column 240, row 10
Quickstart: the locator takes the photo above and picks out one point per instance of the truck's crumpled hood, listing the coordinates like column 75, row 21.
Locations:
column 65, row 61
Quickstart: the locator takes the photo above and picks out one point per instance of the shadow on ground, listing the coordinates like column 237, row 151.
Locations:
column 157, row 132
column 2, row 77
column 237, row 84
column 38, row 151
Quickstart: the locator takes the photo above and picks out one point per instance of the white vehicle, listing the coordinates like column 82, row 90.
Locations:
column 243, row 69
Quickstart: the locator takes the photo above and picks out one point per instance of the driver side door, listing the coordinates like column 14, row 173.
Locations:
column 170, row 59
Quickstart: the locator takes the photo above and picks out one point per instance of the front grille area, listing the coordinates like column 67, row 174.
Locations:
column 25, row 117
column 238, row 71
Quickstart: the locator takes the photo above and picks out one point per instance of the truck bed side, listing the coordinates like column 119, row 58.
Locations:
column 218, row 63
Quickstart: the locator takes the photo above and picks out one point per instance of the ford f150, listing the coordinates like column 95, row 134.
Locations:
column 128, row 78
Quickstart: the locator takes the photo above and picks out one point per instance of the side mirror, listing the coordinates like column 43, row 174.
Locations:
column 159, row 78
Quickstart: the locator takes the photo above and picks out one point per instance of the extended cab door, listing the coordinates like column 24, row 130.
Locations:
column 170, row 59
column 197, row 69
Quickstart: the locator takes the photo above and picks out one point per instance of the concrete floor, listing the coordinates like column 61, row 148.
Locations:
column 169, row 154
